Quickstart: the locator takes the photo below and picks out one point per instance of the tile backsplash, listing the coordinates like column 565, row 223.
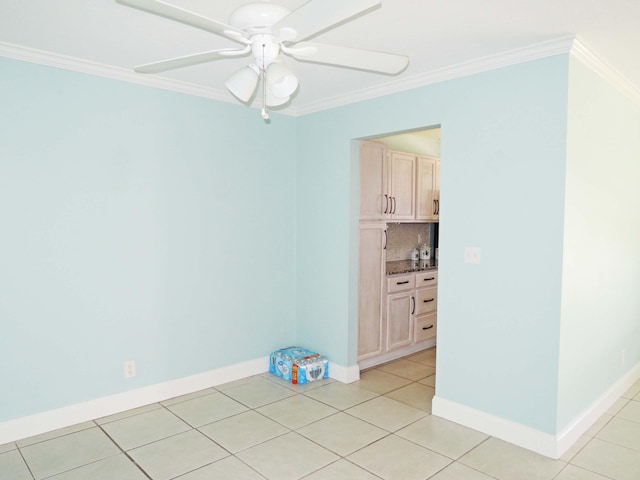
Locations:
column 403, row 237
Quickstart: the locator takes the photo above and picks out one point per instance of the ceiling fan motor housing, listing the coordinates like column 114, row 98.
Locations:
column 257, row 17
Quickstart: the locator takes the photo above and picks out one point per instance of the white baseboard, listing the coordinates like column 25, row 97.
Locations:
column 583, row 422
column 24, row 427
column 344, row 374
column 553, row 446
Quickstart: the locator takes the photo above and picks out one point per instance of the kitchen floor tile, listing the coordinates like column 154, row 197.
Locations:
column 189, row 396
column 631, row 411
column 426, row 357
column 12, row 466
column 70, row 451
column 55, row 433
column 341, row 470
column 259, row 392
column 300, row 388
column 407, row 369
column 132, row 432
column 229, row 468
column 394, row 458
column 598, row 425
column 173, row 456
column 609, row 460
column 386, row 413
column 632, row 391
column 128, row 413
column 7, row 447
column 509, row 462
column 457, row 471
column 207, row 409
column 625, row 433
column 243, row 431
column 341, row 395
column 430, row 381
column 342, row 433
column 288, row 457
column 380, row 382
column 298, row 411
column 118, row 467
column 617, row 406
column 415, row 395
column 442, row 436
column 571, row 472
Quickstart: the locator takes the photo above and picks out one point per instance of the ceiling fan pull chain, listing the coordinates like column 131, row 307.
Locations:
column 265, row 114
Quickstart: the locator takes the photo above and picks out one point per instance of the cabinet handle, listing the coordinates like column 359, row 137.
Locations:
column 402, row 283
column 385, row 240
column 429, row 279
column 438, row 207
column 393, row 203
column 413, row 308
column 386, row 203
column 434, row 207
column 427, row 301
column 427, row 328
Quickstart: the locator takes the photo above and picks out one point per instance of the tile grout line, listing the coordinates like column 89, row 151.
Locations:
column 126, row 454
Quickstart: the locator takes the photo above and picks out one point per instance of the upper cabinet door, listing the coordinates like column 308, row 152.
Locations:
column 428, row 188
column 402, row 185
column 374, row 198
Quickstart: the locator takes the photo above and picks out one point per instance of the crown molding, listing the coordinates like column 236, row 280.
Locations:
column 585, row 54
column 64, row 62
column 536, row 51
column 560, row 45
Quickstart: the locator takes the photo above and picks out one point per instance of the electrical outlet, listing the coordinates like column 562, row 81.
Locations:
column 472, row 255
column 129, row 369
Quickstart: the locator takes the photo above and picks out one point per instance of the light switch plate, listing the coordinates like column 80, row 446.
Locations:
column 472, row 255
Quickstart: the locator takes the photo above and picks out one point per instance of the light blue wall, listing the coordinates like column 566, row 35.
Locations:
column 502, row 182
column 136, row 224
column 601, row 267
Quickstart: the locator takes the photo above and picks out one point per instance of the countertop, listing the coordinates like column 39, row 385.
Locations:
column 407, row 266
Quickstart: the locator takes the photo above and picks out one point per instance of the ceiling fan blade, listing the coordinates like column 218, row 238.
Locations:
column 350, row 57
column 189, row 60
column 318, row 15
column 172, row 12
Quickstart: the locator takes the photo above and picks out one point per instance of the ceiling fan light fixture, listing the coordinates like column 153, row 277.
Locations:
column 243, row 83
column 272, row 100
column 281, row 81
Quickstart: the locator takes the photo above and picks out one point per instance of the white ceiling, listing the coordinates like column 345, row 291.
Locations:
column 435, row 34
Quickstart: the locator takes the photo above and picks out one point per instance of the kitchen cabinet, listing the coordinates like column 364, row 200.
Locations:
column 402, row 186
column 426, row 306
column 409, row 319
column 401, row 307
column 374, row 196
column 428, row 188
column 397, row 186
column 371, row 289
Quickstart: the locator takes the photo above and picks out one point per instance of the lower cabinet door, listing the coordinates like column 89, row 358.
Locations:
column 425, row 327
column 400, row 310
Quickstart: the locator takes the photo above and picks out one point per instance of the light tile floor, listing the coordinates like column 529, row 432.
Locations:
column 263, row 428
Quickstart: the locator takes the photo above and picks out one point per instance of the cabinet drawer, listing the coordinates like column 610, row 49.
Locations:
column 426, row 279
column 401, row 283
column 425, row 327
column 426, row 300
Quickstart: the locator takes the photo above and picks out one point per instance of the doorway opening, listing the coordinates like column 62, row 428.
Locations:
column 398, row 250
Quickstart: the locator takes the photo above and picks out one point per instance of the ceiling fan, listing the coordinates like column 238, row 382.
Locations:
column 267, row 30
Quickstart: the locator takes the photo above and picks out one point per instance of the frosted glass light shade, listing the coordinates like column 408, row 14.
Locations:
column 243, row 83
column 281, row 81
column 274, row 101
